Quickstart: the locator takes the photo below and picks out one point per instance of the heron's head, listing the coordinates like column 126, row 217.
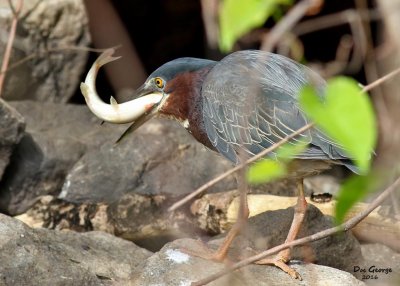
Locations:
column 175, row 81
column 163, row 92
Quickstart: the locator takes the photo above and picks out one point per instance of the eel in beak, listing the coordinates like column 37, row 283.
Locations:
column 115, row 113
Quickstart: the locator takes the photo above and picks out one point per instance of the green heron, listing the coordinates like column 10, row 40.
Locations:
column 238, row 106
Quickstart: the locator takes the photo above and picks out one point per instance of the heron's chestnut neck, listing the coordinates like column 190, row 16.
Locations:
column 184, row 103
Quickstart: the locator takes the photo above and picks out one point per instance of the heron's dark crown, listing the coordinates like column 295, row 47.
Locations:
column 171, row 69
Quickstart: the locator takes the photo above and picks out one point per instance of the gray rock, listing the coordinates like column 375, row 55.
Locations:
column 38, row 166
column 46, row 257
column 381, row 265
column 70, row 121
column 12, row 126
column 56, row 136
column 138, row 218
column 171, row 266
column 165, row 159
column 266, row 230
column 45, row 25
column 159, row 158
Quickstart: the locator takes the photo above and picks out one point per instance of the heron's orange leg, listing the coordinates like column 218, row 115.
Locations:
column 241, row 221
column 243, row 214
column 284, row 256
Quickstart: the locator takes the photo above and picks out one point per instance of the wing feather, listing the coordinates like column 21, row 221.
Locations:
column 250, row 103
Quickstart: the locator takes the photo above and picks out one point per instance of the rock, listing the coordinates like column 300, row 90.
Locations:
column 57, row 139
column 47, row 31
column 47, row 257
column 171, row 266
column 379, row 254
column 216, row 213
column 12, row 126
column 38, row 166
column 381, row 265
column 53, row 142
column 138, row 218
column 270, row 228
column 161, row 158
column 69, row 121
column 213, row 211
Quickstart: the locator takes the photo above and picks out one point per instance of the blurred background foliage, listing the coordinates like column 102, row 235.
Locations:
column 239, row 17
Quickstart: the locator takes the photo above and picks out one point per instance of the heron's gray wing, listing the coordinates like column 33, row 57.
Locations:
column 250, row 103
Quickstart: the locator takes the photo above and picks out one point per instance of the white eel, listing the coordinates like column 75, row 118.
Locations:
column 114, row 112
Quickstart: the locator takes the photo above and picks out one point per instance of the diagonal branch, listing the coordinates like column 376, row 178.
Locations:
column 381, row 80
column 286, row 24
column 317, row 236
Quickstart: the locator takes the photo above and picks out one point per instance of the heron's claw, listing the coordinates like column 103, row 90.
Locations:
column 203, row 251
column 281, row 263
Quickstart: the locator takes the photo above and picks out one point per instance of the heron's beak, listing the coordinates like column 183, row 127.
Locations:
column 135, row 110
column 141, row 92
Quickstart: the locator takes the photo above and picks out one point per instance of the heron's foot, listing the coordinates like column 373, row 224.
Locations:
column 281, row 261
column 203, row 251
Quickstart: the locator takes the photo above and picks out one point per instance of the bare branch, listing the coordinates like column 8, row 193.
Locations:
column 8, row 49
column 286, row 24
column 381, row 80
column 11, row 5
column 333, row 20
column 209, row 9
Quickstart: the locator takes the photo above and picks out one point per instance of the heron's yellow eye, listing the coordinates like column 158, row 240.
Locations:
column 159, row 82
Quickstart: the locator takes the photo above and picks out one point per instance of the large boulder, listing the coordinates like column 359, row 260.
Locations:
column 159, row 158
column 38, row 166
column 141, row 219
column 47, row 32
column 47, row 257
column 382, row 264
column 57, row 135
column 12, row 126
column 172, row 266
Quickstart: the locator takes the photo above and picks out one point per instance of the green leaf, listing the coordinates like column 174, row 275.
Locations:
column 268, row 169
column 352, row 191
column 289, row 151
column 265, row 171
column 238, row 17
column 346, row 115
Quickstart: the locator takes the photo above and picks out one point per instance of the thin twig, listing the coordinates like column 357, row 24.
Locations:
column 335, row 19
column 13, row 10
column 11, row 36
column 317, row 236
column 381, row 80
column 53, row 50
column 239, row 167
column 209, row 9
column 286, row 24
column 341, row 60
column 351, row 17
